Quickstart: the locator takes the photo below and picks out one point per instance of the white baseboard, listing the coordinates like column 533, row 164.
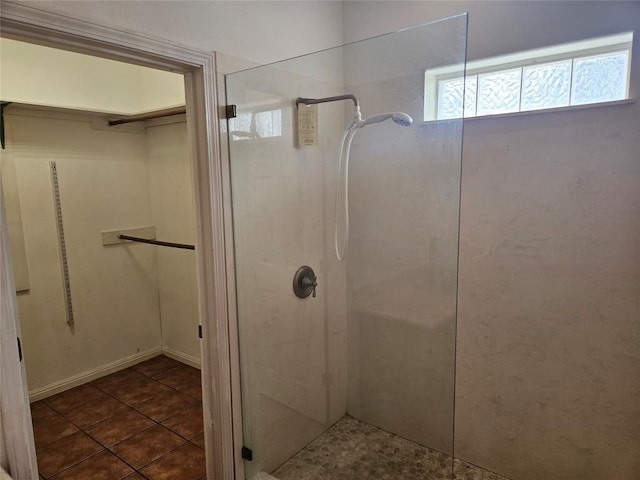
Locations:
column 76, row 380
column 85, row 377
column 181, row 357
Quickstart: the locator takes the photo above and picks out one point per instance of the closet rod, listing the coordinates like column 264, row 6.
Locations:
column 149, row 116
column 157, row 242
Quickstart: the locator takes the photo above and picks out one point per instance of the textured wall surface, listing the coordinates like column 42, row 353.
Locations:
column 549, row 287
column 548, row 365
column 402, row 259
column 292, row 350
column 103, row 186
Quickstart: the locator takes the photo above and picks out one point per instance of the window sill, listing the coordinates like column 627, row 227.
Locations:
column 627, row 101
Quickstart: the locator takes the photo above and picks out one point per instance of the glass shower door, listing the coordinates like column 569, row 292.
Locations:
column 280, row 207
column 355, row 380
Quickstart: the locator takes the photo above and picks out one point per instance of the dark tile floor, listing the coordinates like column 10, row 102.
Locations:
column 144, row 422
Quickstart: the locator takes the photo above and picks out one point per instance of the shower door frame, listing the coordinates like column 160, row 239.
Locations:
column 33, row 25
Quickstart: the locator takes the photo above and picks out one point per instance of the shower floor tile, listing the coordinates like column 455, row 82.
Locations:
column 353, row 450
column 111, row 429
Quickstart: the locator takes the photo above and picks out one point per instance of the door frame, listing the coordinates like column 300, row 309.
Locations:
column 18, row 455
column 34, row 25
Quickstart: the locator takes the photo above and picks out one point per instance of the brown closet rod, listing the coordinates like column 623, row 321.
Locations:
column 156, row 242
column 149, row 116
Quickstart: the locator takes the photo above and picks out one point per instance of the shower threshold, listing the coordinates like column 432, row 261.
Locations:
column 354, row 450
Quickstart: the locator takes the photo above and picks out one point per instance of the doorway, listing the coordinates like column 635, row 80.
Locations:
column 30, row 25
column 119, row 307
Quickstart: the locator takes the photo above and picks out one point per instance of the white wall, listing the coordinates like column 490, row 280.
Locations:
column 173, row 211
column 495, row 27
column 14, row 219
column 548, row 368
column 43, row 76
column 103, row 186
column 260, row 31
column 128, row 300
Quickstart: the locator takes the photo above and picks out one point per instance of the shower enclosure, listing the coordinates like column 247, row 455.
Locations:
column 361, row 373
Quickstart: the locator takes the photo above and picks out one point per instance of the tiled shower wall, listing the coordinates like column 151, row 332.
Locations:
column 401, row 270
column 549, row 313
column 547, row 350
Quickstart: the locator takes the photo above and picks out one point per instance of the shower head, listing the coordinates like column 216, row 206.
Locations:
column 400, row 118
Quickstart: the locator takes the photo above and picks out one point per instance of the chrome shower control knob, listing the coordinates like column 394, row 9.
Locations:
column 305, row 282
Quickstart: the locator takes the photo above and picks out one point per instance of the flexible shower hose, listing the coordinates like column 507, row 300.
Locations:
column 343, row 163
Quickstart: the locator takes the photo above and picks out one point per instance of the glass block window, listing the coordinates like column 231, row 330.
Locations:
column 499, row 92
column 546, row 86
column 600, row 78
column 259, row 124
column 592, row 71
column 450, row 93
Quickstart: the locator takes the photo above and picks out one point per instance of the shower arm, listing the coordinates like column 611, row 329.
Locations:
column 313, row 101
